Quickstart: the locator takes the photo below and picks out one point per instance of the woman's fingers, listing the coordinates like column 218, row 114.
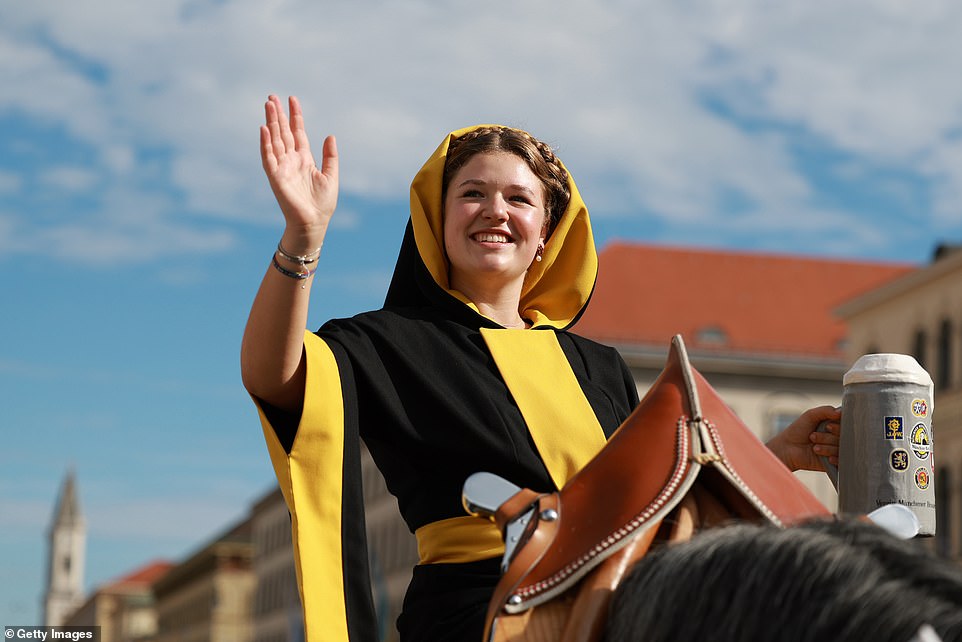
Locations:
column 272, row 115
column 827, row 438
column 298, row 132
column 329, row 162
column 278, row 148
column 287, row 138
column 830, row 436
column 282, row 138
column 268, row 160
column 283, row 125
column 825, row 443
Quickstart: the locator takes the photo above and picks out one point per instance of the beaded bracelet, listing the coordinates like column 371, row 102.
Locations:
column 310, row 257
column 300, row 276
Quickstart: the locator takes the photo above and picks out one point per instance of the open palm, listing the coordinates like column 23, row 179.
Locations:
column 307, row 195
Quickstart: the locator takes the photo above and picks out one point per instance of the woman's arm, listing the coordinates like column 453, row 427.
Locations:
column 272, row 351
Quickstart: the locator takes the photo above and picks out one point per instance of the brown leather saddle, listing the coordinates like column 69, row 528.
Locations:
column 681, row 462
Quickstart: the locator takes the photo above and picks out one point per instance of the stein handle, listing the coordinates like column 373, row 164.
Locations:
column 830, row 469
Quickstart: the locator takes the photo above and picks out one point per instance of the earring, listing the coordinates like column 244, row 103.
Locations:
column 539, row 253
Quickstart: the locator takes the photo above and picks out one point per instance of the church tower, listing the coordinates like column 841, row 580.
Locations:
column 65, row 556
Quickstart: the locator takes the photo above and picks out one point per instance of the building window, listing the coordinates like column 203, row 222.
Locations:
column 943, row 499
column 780, row 421
column 712, row 335
column 918, row 349
column 943, row 374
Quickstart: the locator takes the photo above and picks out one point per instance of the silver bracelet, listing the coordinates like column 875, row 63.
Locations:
column 300, row 276
column 308, row 258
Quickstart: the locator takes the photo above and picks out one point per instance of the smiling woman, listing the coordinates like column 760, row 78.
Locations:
column 468, row 366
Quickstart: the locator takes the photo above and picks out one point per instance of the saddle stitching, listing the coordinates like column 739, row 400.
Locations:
column 682, row 447
column 736, row 479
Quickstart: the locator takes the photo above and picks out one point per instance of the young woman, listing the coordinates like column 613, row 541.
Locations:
column 469, row 366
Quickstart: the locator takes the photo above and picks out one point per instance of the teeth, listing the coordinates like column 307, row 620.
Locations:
column 492, row 238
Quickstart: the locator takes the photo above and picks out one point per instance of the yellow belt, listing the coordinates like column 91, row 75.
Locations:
column 458, row 540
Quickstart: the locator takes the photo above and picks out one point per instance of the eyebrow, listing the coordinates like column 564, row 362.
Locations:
column 478, row 181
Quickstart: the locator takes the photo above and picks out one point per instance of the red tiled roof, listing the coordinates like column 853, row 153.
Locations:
column 145, row 575
column 761, row 303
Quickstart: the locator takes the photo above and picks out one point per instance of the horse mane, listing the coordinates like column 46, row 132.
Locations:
column 843, row 580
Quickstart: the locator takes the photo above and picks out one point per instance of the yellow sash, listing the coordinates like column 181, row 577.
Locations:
column 554, row 407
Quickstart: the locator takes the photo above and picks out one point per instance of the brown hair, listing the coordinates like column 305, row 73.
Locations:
column 538, row 156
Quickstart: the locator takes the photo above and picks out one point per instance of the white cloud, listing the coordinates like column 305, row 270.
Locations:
column 119, row 158
column 68, row 179
column 946, row 163
column 873, row 78
column 374, row 283
column 10, row 182
column 105, row 242
column 184, row 518
column 27, row 370
column 25, row 515
column 345, row 218
column 630, row 92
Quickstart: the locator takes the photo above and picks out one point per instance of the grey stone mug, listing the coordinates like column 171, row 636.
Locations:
column 886, row 453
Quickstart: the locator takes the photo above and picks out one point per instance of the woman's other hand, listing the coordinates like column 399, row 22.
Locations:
column 800, row 446
column 306, row 193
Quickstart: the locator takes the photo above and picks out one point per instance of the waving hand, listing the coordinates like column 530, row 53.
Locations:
column 306, row 193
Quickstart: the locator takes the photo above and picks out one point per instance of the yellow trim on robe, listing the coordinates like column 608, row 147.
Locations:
column 458, row 540
column 310, row 478
column 559, row 417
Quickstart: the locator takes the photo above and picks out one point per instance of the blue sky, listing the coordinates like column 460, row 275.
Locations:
column 135, row 222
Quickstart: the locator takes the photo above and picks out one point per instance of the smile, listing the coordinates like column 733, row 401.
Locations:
column 488, row 237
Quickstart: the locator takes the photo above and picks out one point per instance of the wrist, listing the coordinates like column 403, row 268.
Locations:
column 777, row 447
column 303, row 273
column 302, row 260
column 303, row 241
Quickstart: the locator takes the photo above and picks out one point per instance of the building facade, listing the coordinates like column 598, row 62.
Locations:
column 392, row 553
column 920, row 314
column 123, row 609
column 392, row 549
column 276, row 609
column 208, row 597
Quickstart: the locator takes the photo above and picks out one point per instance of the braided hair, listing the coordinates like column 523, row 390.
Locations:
column 538, row 155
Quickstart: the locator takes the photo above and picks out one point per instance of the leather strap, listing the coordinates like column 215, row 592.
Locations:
column 514, row 507
column 542, row 533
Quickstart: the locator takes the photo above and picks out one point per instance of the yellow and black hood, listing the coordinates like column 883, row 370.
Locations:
column 557, row 289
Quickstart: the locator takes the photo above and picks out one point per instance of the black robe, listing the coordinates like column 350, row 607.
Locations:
column 425, row 382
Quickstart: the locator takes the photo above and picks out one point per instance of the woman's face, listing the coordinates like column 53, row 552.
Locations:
column 494, row 219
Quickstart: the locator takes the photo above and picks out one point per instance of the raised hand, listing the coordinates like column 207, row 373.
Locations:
column 306, row 193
